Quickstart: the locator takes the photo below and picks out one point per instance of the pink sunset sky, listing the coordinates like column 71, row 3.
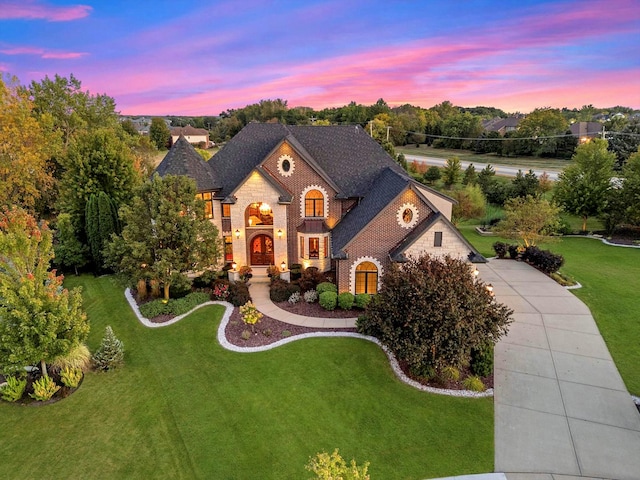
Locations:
column 203, row 57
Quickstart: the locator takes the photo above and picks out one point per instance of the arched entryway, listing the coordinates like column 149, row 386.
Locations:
column 261, row 250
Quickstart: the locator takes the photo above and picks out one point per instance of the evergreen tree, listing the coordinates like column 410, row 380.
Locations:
column 432, row 175
column 110, row 354
column 101, row 222
column 470, row 176
column 69, row 251
column 525, row 184
column 452, row 172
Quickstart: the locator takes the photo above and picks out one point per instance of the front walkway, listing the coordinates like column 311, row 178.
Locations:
column 560, row 404
column 260, row 295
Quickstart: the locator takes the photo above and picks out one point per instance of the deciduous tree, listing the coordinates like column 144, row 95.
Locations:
column 159, row 133
column 528, row 219
column 39, row 319
column 471, row 203
column 582, row 187
column 69, row 251
column 25, row 148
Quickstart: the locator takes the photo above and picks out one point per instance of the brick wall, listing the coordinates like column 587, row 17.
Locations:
column 379, row 237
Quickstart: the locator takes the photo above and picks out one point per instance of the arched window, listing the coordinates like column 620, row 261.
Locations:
column 314, row 204
column 366, row 278
column 258, row 214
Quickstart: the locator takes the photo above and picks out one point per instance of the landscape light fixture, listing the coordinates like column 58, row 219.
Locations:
column 476, row 272
column 490, row 289
column 237, row 233
column 234, row 265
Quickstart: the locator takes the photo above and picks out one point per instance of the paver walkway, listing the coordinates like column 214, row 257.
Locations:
column 561, row 407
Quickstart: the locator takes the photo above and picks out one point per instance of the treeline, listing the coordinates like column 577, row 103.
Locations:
column 545, row 132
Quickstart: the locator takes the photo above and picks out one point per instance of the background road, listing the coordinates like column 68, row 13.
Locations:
column 502, row 170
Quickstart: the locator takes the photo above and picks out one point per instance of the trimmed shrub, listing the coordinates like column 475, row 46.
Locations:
column 188, row 303
column 311, row 278
column 474, row 384
column 206, row 279
column 246, row 334
column 326, row 287
column 273, row 272
column 482, row 360
column 296, row 271
column 345, row 300
column 238, row 294
column 310, row 296
column 180, row 285
column 71, row 377
column 44, row 388
column 281, row 290
column 154, row 309
column 514, row 251
column 328, row 300
column 544, row 260
column 362, row 300
column 408, row 316
column 501, row 249
column 14, row 389
column 295, row 298
column 110, row 354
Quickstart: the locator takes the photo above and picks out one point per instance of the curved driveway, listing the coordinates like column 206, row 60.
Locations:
column 561, row 407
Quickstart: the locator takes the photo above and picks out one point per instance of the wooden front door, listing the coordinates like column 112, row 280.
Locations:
column 262, row 250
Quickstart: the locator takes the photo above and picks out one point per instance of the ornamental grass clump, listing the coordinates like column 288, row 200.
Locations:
column 250, row 314
column 71, row 377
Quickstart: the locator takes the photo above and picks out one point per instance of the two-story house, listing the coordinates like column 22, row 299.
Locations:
column 322, row 196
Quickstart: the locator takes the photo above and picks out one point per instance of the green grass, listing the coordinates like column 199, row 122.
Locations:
column 183, row 407
column 467, row 155
column 610, row 279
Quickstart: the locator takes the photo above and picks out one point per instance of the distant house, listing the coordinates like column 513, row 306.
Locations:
column 195, row 136
column 586, row 130
column 501, row 125
column 320, row 196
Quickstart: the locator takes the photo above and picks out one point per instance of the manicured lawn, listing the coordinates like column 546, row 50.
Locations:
column 610, row 278
column 183, row 407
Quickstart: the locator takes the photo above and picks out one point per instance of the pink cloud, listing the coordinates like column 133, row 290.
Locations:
column 42, row 53
column 34, row 10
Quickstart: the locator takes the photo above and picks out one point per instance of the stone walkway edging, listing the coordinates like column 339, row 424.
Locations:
column 603, row 240
column 222, row 339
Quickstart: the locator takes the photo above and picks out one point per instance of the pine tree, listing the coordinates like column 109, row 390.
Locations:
column 110, row 354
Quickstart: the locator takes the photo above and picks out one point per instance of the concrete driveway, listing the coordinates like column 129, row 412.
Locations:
column 561, row 407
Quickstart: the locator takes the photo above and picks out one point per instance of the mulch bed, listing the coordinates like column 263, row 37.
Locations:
column 267, row 331
column 315, row 310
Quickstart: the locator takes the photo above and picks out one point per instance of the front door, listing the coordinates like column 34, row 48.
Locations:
column 262, row 250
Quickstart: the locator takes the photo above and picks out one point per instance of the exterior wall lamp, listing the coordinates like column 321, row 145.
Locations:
column 234, row 265
column 237, row 233
column 283, row 266
column 280, row 233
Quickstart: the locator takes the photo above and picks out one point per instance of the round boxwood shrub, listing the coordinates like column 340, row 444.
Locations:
column 482, row 360
column 328, row 300
column 362, row 300
column 326, row 287
column 345, row 300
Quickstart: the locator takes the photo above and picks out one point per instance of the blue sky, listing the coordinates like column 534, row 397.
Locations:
column 203, row 57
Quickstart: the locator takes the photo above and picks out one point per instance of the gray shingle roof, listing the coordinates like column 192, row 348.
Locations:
column 348, row 156
column 182, row 159
column 387, row 186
